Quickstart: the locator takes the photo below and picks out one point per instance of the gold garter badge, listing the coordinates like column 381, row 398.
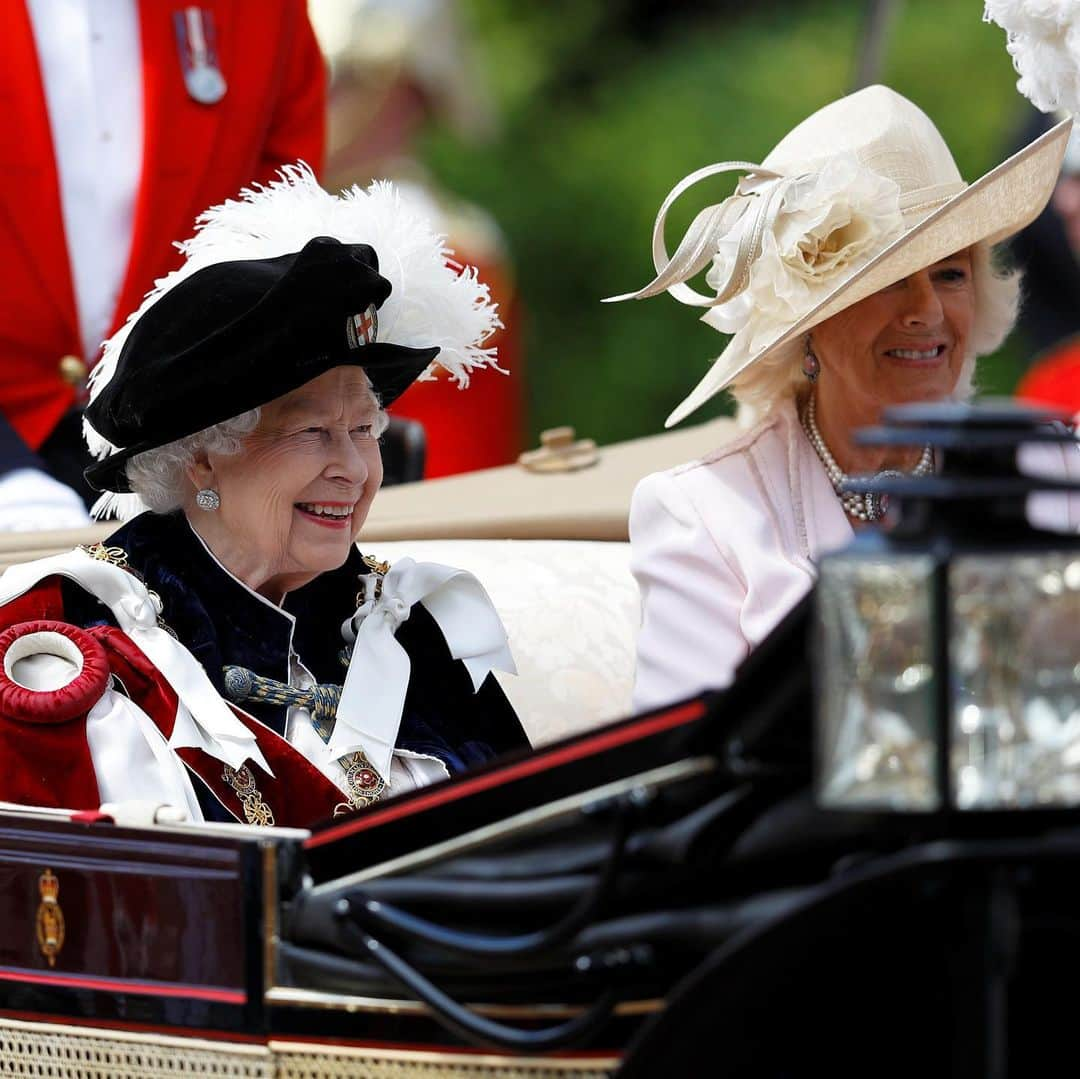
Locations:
column 50, row 918
column 256, row 811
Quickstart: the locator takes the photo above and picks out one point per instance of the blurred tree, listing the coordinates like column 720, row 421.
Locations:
column 606, row 103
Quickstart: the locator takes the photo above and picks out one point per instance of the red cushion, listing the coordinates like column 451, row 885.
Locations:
column 53, row 705
column 44, row 756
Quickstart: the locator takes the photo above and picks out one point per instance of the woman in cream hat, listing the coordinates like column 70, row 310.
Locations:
column 853, row 268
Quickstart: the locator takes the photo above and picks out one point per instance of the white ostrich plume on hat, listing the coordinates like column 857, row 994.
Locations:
column 435, row 301
column 1043, row 38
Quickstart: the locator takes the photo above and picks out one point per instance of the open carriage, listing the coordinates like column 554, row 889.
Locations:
column 160, row 950
column 666, row 890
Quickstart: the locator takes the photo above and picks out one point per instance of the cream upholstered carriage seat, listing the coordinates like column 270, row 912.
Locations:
column 571, row 609
column 550, row 545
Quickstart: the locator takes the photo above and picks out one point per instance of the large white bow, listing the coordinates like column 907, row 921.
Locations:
column 373, row 696
column 204, row 721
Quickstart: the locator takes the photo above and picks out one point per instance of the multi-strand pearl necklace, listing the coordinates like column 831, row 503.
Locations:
column 866, row 507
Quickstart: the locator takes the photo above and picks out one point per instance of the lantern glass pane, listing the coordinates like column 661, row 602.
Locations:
column 876, row 738
column 1015, row 660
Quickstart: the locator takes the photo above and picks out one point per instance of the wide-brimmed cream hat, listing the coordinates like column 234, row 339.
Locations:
column 856, row 197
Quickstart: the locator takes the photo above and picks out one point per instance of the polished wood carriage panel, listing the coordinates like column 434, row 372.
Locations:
column 107, row 921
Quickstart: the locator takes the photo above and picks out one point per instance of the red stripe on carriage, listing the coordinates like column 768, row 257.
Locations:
column 539, row 762
column 125, row 985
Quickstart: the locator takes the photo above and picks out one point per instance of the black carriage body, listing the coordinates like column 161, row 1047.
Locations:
column 735, row 906
column 177, row 930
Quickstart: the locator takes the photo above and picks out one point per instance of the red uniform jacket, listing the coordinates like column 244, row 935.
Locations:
column 1054, row 378
column 194, row 156
column 483, row 426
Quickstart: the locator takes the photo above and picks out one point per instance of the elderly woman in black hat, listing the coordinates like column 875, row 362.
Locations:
column 228, row 650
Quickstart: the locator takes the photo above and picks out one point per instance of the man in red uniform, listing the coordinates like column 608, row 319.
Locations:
column 120, row 121
column 395, row 67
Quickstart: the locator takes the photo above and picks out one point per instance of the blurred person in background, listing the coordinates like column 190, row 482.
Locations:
column 1048, row 251
column 396, row 66
column 121, row 121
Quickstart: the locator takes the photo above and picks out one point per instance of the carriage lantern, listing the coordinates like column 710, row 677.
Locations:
column 947, row 664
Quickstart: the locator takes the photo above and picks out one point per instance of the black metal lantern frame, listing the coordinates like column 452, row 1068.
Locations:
column 947, row 645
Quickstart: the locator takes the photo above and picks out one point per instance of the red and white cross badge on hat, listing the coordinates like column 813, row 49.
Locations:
column 362, row 329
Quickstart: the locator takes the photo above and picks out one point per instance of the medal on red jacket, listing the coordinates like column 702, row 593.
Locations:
column 196, row 40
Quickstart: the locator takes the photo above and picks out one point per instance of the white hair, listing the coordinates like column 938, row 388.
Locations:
column 779, row 375
column 160, row 477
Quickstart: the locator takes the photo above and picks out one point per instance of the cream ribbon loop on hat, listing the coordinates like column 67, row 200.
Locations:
column 203, row 721
column 373, row 696
column 744, row 217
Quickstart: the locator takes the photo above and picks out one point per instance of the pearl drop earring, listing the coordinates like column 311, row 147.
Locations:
column 811, row 366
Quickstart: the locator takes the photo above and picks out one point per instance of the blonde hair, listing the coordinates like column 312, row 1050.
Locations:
column 778, row 376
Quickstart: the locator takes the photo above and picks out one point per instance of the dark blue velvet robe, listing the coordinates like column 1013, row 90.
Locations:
column 221, row 622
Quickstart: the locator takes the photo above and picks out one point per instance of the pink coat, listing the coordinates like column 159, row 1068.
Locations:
column 723, row 547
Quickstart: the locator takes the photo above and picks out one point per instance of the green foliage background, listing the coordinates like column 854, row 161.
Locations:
column 604, row 104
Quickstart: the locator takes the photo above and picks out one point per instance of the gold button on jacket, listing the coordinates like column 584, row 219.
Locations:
column 73, row 370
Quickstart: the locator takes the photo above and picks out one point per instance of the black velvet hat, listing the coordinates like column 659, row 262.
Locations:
column 237, row 334
column 240, row 323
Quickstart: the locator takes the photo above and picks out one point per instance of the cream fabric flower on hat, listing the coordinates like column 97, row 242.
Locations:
column 832, row 218
column 829, row 223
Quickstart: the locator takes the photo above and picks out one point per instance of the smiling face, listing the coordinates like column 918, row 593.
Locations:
column 907, row 342
column 296, row 495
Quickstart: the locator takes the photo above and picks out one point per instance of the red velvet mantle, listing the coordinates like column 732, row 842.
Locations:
column 43, row 746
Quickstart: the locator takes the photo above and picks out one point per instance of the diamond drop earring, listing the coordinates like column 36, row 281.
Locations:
column 208, row 499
